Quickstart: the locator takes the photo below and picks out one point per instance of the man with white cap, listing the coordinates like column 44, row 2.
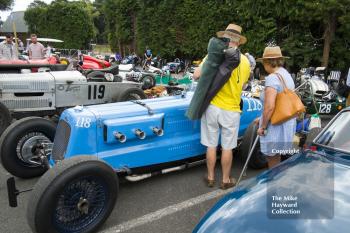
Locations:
column 223, row 113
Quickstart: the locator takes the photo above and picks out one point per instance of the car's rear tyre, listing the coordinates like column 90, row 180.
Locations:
column 21, row 143
column 76, row 195
column 96, row 76
column 148, row 82
column 5, row 118
column 257, row 160
column 117, row 78
column 131, row 94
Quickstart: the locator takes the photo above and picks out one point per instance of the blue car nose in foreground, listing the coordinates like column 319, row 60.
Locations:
column 130, row 135
column 94, row 144
column 307, row 193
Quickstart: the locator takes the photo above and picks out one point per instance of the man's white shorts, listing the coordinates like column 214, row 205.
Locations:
column 215, row 120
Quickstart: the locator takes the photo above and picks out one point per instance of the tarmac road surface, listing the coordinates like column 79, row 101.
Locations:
column 172, row 202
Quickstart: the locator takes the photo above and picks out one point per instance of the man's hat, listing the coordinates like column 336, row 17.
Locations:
column 272, row 52
column 232, row 31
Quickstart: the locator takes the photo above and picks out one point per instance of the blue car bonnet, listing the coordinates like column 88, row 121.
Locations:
column 97, row 131
column 245, row 209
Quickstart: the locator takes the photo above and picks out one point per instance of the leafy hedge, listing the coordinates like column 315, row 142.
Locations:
column 303, row 28
column 311, row 32
column 71, row 22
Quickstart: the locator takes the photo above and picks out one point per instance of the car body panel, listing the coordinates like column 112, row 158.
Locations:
column 324, row 107
column 245, row 209
column 59, row 89
column 181, row 137
column 40, row 89
column 165, row 79
column 90, row 62
column 320, row 177
column 314, row 94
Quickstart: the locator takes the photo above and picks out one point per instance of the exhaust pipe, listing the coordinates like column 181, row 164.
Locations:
column 158, row 132
column 140, row 134
column 120, row 137
column 136, row 177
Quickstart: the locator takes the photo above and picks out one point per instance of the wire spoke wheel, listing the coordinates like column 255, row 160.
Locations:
column 76, row 195
column 29, row 146
column 80, row 203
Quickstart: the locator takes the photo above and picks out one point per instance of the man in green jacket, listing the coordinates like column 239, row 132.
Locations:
column 223, row 114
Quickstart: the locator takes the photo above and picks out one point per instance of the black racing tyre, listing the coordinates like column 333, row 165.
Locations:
column 148, row 81
column 20, row 145
column 5, row 118
column 76, row 195
column 257, row 160
column 118, row 78
column 131, row 94
column 311, row 135
column 96, row 76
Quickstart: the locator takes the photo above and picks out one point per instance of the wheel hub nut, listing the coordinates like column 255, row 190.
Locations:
column 83, row 205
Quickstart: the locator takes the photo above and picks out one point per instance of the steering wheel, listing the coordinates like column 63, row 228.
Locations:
column 81, row 70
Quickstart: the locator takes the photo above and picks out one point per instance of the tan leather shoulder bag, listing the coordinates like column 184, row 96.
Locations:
column 287, row 106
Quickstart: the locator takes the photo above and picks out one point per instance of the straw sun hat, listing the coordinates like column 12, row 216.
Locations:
column 232, row 32
column 271, row 52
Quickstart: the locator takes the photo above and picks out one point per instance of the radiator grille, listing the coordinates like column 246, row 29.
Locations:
column 32, row 86
column 25, row 103
column 40, row 86
column 61, row 140
column 15, row 86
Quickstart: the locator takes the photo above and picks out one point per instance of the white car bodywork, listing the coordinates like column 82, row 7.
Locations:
column 55, row 90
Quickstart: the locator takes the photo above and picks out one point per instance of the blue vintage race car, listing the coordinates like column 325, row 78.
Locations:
column 307, row 193
column 94, row 144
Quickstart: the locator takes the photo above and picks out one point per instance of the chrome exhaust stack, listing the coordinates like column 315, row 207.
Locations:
column 158, row 132
column 140, row 134
column 120, row 137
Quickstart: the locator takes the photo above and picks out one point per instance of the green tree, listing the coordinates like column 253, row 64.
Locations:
column 310, row 32
column 180, row 28
column 274, row 22
column 199, row 21
column 121, row 18
column 70, row 21
column 6, row 5
column 304, row 29
column 100, row 22
column 329, row 19
column 35, row 16
column 157, row 27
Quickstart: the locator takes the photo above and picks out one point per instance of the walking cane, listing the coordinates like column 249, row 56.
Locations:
column 248, row 158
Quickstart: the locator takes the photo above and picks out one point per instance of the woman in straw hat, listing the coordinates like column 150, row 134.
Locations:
column 275, row 139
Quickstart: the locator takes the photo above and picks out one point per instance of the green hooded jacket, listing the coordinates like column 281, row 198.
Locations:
column 209, row 69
